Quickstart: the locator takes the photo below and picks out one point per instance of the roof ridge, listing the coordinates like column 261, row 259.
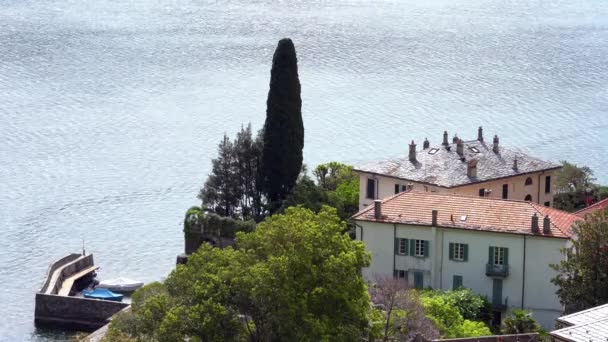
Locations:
column 596, row 204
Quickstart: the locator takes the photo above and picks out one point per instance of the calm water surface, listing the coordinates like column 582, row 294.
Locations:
column 110, row 111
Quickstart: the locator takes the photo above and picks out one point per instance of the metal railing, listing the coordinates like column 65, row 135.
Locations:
column 497, row 270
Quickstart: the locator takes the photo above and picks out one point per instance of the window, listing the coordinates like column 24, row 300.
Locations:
column 401, row 246
column 371, row 188
column 396, row 188
column 482, row 192
column 548, row 184
column 403, row 187
column 547, row 204
column 528, row 198
column 400, row 274
column 458, row 251
column 419, row 248
column 418, row 280
column 419, row 251
column 499, row 256
column 528, row 181
column 505, row 191
column 456, row 282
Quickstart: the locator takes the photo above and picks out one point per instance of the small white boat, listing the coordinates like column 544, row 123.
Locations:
column 120, row 284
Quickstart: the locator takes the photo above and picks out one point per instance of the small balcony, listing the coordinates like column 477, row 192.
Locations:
column 501, row 271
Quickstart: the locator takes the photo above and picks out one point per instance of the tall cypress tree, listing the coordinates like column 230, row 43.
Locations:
column 284, row 128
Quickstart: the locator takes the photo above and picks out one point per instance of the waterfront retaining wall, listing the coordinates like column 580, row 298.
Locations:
column 67, row 270
column 54, row 266
column 76, row 312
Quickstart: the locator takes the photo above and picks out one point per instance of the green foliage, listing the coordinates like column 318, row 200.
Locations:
column 519, row 322
column 582, row 276
column 336, row 186
column 573, row 178
column 296, row 277
column 444, row 309
column 470, row 305
column 284, row 128
column 197, row 221
column 234, row 186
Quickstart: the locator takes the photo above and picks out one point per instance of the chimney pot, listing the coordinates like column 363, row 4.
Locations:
column 495, row 148
column 472, row 168
column 547, row 225
column 534, row 223
column 445, row 138
column 434, row 214
column 480, row 133
column 412, row 154
column 377, row 209
column 426, row 144
column 455, row 138
column 515, row 164
column 459, row 147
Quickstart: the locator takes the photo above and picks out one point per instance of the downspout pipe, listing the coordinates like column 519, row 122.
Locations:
column 394, row 252
column 523, row 281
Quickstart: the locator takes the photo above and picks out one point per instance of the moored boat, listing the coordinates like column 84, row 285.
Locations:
column 120, row 284
column 104, row 294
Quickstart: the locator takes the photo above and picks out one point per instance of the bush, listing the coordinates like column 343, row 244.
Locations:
column 520, row 322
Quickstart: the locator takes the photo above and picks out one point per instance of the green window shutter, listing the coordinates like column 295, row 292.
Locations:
column 412, row 247
column 418, row 280
column 491, row 256
column 451, row 251
column 466, row 252
column 406, row 245
column 396, row 246
column 426, row 248
column 506, row 256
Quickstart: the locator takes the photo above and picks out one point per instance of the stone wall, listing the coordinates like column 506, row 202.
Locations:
column 67, row 270
column 54, row 266
column 76, row 312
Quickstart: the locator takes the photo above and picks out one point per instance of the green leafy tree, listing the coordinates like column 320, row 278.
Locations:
column 519, row 322
column 573, row 178
column 220, row 193
column 234, row 186
column 583, row 274
column 449, row 321
column 295, row 278
column 470, row 305
column 284, row 128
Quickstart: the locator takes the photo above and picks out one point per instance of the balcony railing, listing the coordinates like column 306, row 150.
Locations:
column 497, row 270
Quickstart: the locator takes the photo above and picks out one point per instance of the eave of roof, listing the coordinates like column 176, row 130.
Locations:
column 483, row 214
column 593, row 208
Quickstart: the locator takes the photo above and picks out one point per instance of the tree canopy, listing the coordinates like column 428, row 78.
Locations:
column 296, row 277
column 583, row 274
column 520, row 322
column 284, row 128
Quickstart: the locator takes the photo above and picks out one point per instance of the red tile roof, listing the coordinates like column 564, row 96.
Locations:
column 485, row 214
column 603, row 204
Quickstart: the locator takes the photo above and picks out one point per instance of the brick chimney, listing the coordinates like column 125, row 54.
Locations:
column 515, row 164
column 377, row 209
column 434, row 214
column 472, row 168
column 459, row 147
column 412, row 154
column 480, row 134
column 534, row 223
column 426, row 144
column 445, row 138
column 455, row 139
column 546, row 225
column 495, row 148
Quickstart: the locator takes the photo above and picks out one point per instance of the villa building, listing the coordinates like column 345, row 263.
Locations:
column 498, row 248
column 472, row 168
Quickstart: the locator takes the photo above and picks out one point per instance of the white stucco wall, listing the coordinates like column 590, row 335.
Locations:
column 517, row 188
column 539, row 293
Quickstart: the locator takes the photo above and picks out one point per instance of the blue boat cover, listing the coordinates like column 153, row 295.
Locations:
column 102, row 294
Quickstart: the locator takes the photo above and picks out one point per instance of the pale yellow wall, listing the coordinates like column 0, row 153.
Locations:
column 517, row 188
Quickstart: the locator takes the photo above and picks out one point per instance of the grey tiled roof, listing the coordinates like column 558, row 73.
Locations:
column 594, row 331
column 446, row 169
column 586, row 316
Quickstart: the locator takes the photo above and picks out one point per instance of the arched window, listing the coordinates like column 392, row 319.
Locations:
column 529, row 181
column 528, row 198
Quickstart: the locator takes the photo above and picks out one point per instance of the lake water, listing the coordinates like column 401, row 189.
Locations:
column 110, row 111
